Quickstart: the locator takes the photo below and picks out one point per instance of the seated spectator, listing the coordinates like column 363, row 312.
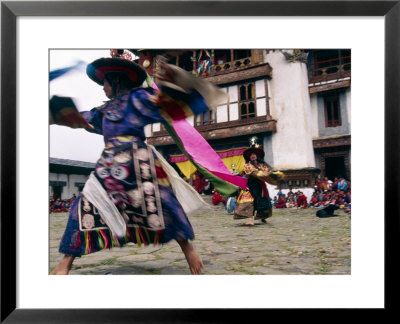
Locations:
column 340, row 199
column 342, row 184
column 321, row 196
column 321, row 199
column 302, row 200
column 230, row 204
column 334, row 184
column 314, row 200
column 325, row 184
column 331, row 199
column 290, row 200
column 208, row 187
column 57, row 207
column 217, row 198
column 281, row 203
column 318, row 183
column 347, row 198
column 330, row 183
column 198, row 182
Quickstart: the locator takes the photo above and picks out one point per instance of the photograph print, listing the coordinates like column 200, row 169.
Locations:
column 200, row 161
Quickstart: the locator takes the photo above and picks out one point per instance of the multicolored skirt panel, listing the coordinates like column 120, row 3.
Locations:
column 136, row 183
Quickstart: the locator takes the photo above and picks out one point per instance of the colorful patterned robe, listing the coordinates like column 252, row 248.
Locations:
column 133, row 178
column 257, row 176
column 255, row 199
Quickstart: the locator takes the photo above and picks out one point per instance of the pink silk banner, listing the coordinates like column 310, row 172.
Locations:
column 201, row 152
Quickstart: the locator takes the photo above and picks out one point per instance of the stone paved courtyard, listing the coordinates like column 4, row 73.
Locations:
column 295, row 242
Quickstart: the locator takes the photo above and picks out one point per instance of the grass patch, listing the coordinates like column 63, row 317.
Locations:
column 324, row 234
column 241, row 269
column 153, row 271
column 179, row 260
column 324, row 266
column 93, row 265
column 323, row 270
column 291, row 250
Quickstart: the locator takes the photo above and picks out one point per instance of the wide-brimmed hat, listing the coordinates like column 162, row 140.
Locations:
column 100, row 67
column 254, row 148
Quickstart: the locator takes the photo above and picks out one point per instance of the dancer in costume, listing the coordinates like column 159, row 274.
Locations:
column 254, row 202
column 129, row 197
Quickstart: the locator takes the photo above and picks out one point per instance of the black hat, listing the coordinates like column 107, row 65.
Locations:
column 118, row 63
column 254, row 148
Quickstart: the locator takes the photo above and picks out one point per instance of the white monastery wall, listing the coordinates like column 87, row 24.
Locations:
column 290, row 106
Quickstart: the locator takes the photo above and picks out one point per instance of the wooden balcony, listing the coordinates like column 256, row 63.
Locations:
column 332, row 141
column 329, row 74
column 230, row 129
column 225, row 73
column 334, row 68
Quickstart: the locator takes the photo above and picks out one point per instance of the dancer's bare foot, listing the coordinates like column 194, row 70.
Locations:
column 64, row 266
column 264, row 220
column 192, row 256
column 250, row 222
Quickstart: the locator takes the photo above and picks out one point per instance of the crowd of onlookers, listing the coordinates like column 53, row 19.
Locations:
column 326, row 192
column 58, row 205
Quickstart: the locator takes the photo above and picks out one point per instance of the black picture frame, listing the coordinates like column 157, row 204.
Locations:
column 10, row 10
